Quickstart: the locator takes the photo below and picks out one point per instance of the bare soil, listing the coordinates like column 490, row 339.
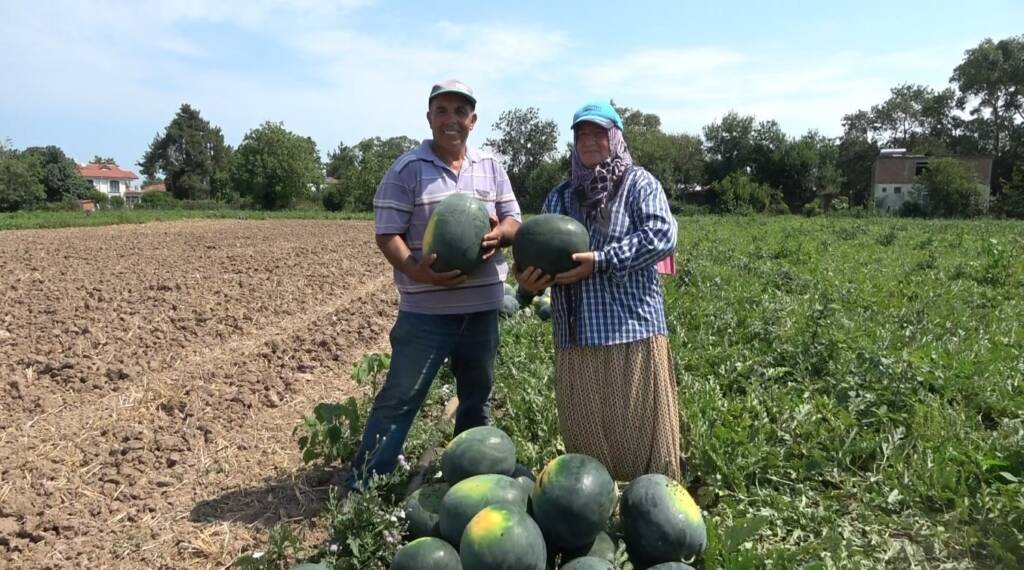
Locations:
column 151, row 377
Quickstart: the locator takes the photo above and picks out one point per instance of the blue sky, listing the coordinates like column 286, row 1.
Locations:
column 104, row 77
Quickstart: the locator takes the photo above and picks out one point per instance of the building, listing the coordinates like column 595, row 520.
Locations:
column 895, row 169
column 108, row 178
column 133, row 196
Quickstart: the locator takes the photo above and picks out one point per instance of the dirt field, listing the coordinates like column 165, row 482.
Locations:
column 152, row 375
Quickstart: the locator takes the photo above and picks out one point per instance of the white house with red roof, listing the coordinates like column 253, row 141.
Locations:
column 108, row 178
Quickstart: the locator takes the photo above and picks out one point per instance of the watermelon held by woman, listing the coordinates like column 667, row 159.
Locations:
column 548, row 242
column 455, row 233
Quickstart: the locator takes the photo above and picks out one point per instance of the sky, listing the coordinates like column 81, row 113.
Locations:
column 105, row 77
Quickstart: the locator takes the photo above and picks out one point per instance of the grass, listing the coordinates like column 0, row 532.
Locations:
column 851, row 390
column 31, row 220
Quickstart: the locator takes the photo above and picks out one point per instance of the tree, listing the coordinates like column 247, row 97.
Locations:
column 1011, row 202
column 57, row 173
column 19, row 184
column 359, row 169
column 192, row 156
column 675, row 160
column 737, row 193
column 525, row 141
column 728, row 145
column 948, row 189
column 993, row 74
column 856, row 154
column 97, row 159
column 274, row 166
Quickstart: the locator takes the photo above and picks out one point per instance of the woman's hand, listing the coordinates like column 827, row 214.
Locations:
column 532, row 279
column 584, row 270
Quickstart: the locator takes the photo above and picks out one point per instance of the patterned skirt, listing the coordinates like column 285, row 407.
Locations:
column 619, row 405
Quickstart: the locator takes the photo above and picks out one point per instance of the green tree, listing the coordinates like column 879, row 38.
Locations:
column 274, row 167
column 948, row 189
column 992, row 75
column 524, row 142
column 20, row 187
column 97, row 159
column 856, row 154
column 738, row 193
column 676, row 160
column 729, row 145
column 359, row 170
column 191, row 155
column 58, row 174
column 1011, row 201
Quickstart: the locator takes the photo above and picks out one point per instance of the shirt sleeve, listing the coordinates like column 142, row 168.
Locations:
column 553, row 203
column 505, row 203
column 655, row 235
column 393, row 203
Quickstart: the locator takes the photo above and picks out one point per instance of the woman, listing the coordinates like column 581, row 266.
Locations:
column 615, row 387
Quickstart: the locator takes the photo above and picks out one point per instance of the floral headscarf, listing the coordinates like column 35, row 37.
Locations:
column 598, row 186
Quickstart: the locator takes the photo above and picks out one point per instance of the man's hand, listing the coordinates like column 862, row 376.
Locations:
column 584, row 270
column 532, row 279
column 492, row 239
column 423, row 272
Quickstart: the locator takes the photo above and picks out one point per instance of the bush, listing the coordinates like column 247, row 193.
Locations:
column 201, row 205
column 1011, row 202
column 739, row 194
column 949, row 189
column 812, row 209
column 115, row 202
column 333, row 198
column 157, row 200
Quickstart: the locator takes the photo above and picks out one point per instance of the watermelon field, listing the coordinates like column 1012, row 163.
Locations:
column 851, row 393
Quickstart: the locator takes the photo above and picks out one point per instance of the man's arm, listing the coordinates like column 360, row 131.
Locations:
column 401, row 258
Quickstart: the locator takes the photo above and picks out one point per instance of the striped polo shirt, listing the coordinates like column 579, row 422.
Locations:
column 407, row 196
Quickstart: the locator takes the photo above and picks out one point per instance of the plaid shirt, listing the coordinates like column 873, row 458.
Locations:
column 622, row 301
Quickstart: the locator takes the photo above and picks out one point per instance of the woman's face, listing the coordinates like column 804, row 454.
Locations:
column 592, row 143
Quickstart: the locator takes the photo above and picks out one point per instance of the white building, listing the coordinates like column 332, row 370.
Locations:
column 108, row 178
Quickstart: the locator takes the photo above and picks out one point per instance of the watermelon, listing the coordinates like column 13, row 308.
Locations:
column 544, row 308
column 572, row 500
column 422, row 510
column 671, row 566
column 524, row 297
column 502, row 538
column 602, row 547
column 426, row 554
column 509, row 306
column 510, row 291
column 479, row 450
column 311, row 566
column 455, row 233
column 547, row 242
column 588, row 563
column 660, row 521
column 467, row 497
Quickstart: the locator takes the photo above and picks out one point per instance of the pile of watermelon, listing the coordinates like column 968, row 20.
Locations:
column 519, row 302
column 489, row 512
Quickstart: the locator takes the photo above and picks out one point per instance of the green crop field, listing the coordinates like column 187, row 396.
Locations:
column 851, row 391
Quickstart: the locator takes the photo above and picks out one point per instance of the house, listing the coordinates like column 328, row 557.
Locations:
column 893, row 174
column 108, row 178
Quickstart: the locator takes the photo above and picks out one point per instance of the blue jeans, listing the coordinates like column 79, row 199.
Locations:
column 419, row 345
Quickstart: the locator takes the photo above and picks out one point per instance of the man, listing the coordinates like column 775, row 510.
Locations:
column 440, row 315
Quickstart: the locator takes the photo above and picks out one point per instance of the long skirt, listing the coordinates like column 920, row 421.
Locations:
column 619, row 405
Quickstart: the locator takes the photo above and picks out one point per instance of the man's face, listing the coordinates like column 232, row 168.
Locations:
column 592, row 143
column 451, row 117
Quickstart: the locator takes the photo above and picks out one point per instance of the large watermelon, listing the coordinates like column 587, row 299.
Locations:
column 479, row 450
column 502, row 538
column 547, row 242
column 426, row 554
column 422, row 510
column 469, row 496
column 671, row 566
column 588, row 563
column 660, row 521
column 572, row 500
column 455, row 232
